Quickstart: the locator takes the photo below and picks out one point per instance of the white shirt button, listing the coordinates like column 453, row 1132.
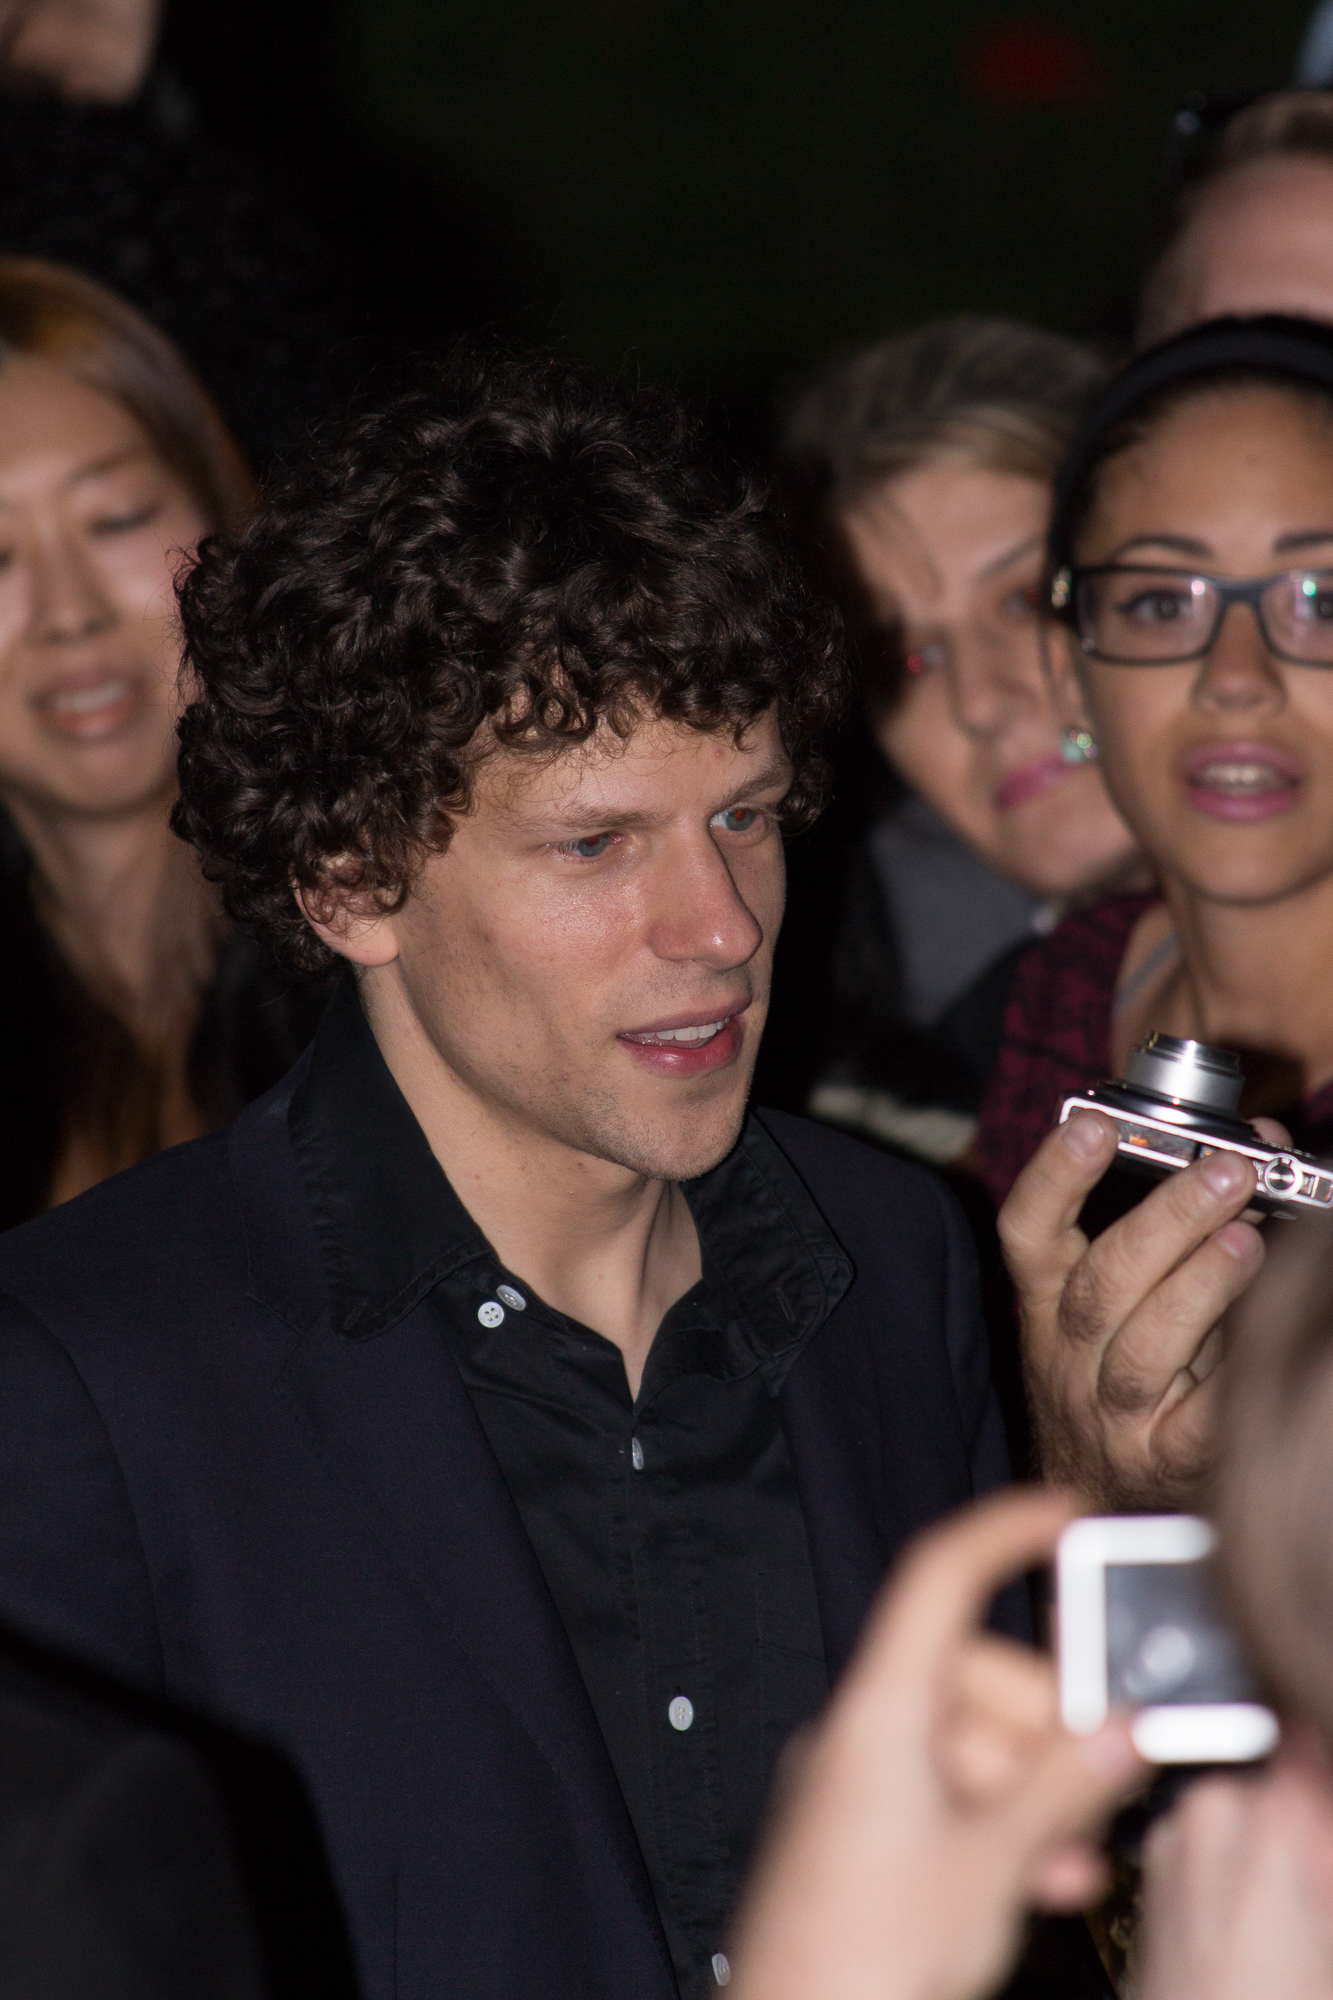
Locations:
column 636, row 1454
column 491, row 1313
column 680, row 1711
column 721, row 1968
column 512, row 1297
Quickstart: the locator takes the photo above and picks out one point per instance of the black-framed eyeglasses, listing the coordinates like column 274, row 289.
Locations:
column 1141, row 615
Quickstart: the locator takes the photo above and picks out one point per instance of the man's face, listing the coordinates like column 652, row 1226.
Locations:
column 590, row 956
column 1261, row 241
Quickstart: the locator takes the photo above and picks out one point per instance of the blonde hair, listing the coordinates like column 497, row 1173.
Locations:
column 1286, row 124
column 991, row 394
column 50, row 314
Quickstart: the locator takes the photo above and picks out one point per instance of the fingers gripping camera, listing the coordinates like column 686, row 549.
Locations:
column 1177, row 1103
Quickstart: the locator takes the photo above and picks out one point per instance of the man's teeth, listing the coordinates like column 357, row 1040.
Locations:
column 86, row 701
column 1242, row 778
column 703, row 1034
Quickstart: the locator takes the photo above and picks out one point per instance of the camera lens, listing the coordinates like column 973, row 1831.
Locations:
column 1189, row 1072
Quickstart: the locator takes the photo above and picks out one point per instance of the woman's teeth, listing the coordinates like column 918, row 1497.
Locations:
column 1242, row 779
column 703, row 1034
column 86, row 701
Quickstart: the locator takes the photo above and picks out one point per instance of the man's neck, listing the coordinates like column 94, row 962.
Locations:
column 607, row 1246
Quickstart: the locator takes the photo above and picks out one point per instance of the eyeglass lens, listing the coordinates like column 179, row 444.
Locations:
column 1154, row 617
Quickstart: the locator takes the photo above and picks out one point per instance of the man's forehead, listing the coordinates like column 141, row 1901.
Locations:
column 659, row 762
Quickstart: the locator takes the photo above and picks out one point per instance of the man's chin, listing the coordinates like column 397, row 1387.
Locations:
column 664, row 1142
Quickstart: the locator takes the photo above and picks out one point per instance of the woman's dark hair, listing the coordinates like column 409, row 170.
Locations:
column 514, row 554
column 1294, row 356
column 986, row 395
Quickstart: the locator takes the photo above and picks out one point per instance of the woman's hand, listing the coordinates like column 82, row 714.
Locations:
column 1238, row 1888
column 940, row 1797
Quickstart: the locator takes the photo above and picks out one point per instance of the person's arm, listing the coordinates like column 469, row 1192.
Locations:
column 1120, row 1336
column 940, row 1798
column 125, row 1885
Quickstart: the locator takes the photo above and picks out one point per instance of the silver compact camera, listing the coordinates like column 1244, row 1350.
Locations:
column 1177, row 1102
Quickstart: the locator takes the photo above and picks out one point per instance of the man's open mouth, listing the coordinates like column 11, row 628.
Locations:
column 703, row 1032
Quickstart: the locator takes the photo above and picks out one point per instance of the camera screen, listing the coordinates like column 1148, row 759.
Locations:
column 1166, row 1639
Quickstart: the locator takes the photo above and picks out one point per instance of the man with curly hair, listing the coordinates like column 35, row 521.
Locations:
column 500, row 1418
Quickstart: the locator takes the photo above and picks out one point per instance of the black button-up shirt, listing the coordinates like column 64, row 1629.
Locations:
column 668, row 1528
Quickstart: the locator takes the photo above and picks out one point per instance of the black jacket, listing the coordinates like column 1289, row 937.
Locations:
column 207, row 1488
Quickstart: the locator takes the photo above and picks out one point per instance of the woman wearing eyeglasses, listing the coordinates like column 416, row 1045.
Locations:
column 1191, row 575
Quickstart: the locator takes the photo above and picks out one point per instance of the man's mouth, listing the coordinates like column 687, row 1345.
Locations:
column 685, row 1048
column 662, row 1037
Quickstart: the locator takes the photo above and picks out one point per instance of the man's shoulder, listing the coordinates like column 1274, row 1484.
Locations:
column 176, row 1197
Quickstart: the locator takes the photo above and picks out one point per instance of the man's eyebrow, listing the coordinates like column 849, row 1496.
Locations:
column 1013, row 555
column 577, row 819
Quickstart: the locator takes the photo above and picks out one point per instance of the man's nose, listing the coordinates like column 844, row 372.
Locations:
column 992, row 681
column 69, row 599
column 698, row 913
column 1238, row 673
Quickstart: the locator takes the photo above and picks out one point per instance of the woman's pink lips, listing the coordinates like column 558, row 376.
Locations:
column 1274, row 795
column 1029, row 781
column 688, row 1058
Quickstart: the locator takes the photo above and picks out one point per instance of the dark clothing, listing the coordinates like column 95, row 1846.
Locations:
column 65, row 1052
column 238, row 1462
column 116, row 1876
column 668, row 1528
column 926, row 954
column 1057, row 1039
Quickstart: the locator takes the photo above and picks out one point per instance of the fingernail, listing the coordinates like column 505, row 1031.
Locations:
column 1111, row 1753
column 1240, row 1241
column 1085, row 1136
column 1226, row 1174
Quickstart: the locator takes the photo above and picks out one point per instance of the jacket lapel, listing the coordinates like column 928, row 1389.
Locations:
column 392, row 1423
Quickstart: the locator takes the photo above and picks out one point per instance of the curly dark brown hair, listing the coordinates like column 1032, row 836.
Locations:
column 516, row 552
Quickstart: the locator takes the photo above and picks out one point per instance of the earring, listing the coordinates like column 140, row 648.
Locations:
column 1078, row 746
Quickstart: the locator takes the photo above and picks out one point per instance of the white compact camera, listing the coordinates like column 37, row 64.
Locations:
column 1177, row 1102
column 1139, row 1629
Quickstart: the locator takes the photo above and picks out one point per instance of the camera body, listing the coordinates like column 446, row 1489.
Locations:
column 1177, row 1102
column 1140, row 1629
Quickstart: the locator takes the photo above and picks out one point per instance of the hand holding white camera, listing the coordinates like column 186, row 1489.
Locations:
column 940, row 1798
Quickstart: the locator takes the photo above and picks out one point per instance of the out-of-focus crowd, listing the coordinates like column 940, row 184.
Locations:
column 1088, row 778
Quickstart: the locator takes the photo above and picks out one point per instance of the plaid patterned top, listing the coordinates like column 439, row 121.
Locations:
column 1057, row 1038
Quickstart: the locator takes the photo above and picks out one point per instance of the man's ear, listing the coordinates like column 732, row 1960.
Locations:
column 349, row 921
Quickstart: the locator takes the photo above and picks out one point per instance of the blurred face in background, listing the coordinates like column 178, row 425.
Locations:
column 1260, row 241
column 1223, row 764
column 91, row 526
column 951, row 555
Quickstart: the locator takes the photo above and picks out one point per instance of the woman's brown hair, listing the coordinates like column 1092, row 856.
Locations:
column 50, row 314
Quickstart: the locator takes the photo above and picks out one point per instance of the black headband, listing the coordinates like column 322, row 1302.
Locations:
column 1299, row 348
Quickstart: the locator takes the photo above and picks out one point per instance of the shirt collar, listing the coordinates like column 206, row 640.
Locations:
column 391, row 1228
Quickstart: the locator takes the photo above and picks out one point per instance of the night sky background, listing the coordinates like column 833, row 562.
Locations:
column 715, row 192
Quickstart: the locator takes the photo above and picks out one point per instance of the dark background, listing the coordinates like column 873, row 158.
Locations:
column 711, row 193
column 714, row 192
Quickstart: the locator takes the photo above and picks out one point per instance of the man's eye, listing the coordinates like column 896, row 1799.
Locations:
column 590, row 848
column 737, row 819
